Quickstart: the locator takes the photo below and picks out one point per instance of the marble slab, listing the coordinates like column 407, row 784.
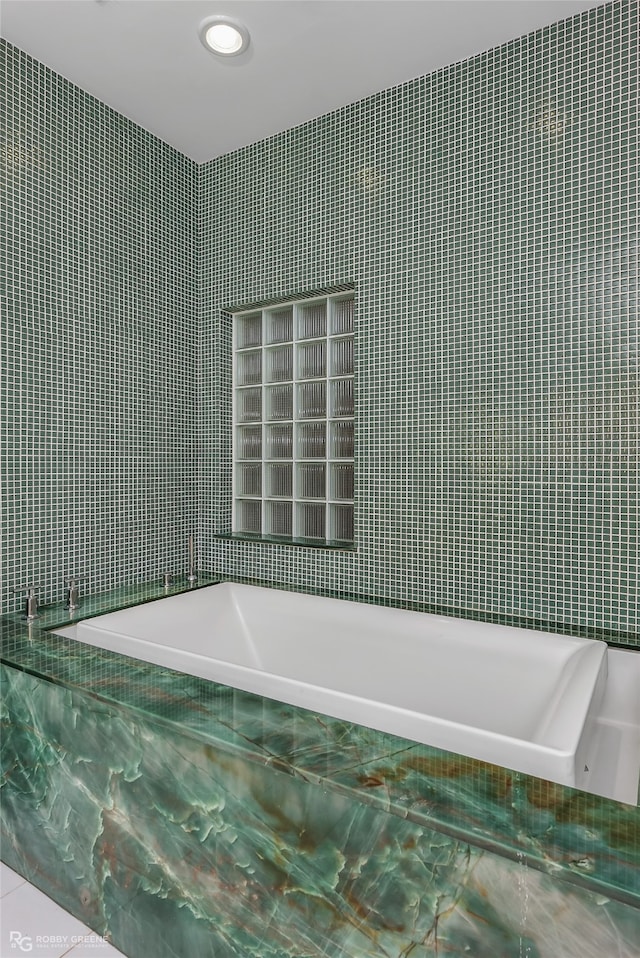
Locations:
column 167, row 845
column 151, row 803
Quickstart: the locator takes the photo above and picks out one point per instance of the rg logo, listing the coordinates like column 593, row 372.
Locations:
column 18, row 940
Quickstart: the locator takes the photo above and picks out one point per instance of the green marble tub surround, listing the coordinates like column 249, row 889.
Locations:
column 587, row 840
column 173, row 842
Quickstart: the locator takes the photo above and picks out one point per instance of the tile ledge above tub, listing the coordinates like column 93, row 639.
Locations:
column 334, row 545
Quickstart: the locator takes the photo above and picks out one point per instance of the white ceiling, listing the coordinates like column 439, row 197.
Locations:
column 307, row 57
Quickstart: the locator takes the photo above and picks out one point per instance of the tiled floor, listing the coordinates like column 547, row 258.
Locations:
column 30, row 923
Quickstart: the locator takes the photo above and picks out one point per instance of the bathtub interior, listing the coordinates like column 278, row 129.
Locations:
column 523, row 700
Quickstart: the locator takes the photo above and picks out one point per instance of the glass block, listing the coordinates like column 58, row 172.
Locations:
column 249, row 515
column 280, row 325
column 342, row 397
column 311, row 520
column 279, row 363
column 312, row 320
column 249, row 405
column 293, row 410
column 249, row 476
column 311, row 480
column 249, row 442
column 341, row 523
column 279, row 479
column 280, row 402
column 342, row 357
column 342, row 480
column 249, row 330
column 342, row 316
column 342, row 439
column 312, row 400
column 279, row 518
column 312, row 360
column 280, row 441
column 312, row 440
column 249, row 368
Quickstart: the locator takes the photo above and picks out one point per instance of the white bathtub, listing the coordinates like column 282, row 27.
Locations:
column 514, row 697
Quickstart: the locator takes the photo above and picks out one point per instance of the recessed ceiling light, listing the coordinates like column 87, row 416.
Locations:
column 223, row 36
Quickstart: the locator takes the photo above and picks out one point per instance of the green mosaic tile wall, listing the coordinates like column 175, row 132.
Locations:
column 488, row 216
column 98, row 386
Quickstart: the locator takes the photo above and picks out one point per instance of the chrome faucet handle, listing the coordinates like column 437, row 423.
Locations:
column 31, row 600
column 192, row 575
column 73, row 593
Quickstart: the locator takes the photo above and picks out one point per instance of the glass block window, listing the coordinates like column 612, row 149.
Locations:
column 293, row 420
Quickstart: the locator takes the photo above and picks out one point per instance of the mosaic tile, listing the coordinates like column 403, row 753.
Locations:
column 487, row 215
column 98, row 395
